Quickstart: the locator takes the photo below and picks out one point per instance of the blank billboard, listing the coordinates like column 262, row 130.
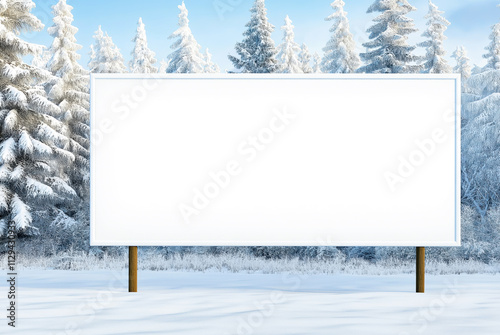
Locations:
column 288, row 160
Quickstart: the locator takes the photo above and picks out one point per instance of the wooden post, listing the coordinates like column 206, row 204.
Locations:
column 132, row 269
column 420, row 269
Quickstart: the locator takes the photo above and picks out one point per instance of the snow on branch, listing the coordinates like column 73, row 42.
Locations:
column 20, row 213
column 8, row 150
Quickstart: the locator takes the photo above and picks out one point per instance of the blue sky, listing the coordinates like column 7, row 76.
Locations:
column 471, row 22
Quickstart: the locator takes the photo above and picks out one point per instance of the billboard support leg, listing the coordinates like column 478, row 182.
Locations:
column 132, row 269
column 420, row 269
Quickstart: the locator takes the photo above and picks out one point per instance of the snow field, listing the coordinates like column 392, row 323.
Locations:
column 66, row 302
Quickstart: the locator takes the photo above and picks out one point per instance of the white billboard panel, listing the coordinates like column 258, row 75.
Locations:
column 275, row 160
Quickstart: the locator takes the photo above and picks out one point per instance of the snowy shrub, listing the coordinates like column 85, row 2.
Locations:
column 278, row 252
column 473, row 247
column 143, row 59
column 365, row 253
column 494, row 232
column 321, row 253
column 399, row 253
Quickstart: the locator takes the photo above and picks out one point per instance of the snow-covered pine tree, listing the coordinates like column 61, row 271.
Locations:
column 463, row 66
column 257, row 53
column 340, row 51
column 32, row 144
column 70, row 91
column 92, row 58
column 210, row 66
column 163, row 66
column 186, row 57
column 305, row 59
column 143, row 59
column 480, row 139
column 476, row 69
column 288, row 50
column 493, row 54
column 105, row 57
column 434, row 61
column 316, row 63
column 389, row 51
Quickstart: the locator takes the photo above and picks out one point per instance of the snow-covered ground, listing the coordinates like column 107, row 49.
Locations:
column 84, row 302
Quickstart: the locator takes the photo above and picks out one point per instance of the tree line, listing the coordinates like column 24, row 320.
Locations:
column 44, row 106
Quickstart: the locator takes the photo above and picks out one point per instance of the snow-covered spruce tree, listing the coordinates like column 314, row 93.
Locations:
column 480, row 139
column 316, row 63
column 340, row 51
column 288, row 50
column 163, row 66
column 257, row 53
column 70, row 91
column 464, row 69
column 305, row 59
column 210, row 66
column 143, row 59
column 493, row 54
column 389, row 51
column 186, row 57
column 434, row 61
column 476, row 69
column 463, row 66
column 92, row 58
column 32, row 144
column 105, row 57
